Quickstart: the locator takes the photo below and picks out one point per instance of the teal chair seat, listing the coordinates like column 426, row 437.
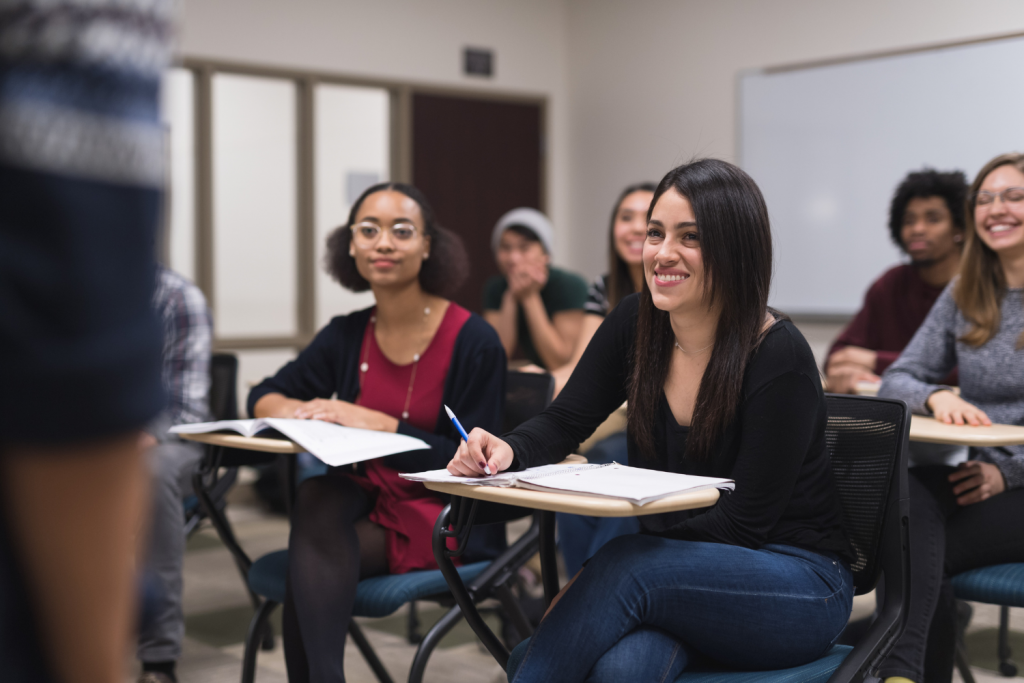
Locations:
column 1000, row 584
column 817, row 671
column 376, row 597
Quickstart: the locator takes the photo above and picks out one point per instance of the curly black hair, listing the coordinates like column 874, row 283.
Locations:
column 442, row 274
column 951, row 186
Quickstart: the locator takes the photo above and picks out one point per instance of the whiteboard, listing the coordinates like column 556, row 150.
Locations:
column 829, row 144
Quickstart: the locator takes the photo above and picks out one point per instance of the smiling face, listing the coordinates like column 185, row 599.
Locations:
column 928, row 233
column 1000, row 223
column 630, row 229
column 673, row 266
column 393, row 256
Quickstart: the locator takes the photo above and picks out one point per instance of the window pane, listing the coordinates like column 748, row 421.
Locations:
column 352, row 153
column 254, row 206
column 178, row 115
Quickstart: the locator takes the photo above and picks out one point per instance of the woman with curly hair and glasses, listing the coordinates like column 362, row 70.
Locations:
column 390, row 368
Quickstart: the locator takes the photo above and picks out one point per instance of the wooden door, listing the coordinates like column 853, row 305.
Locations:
column 475, row 159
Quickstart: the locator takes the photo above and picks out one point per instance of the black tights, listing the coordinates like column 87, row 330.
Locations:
column 946, row 539
column 331, row 547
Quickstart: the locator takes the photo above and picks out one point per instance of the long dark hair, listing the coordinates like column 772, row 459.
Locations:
column 736, row 251
column 442, row 274
column 620, row 282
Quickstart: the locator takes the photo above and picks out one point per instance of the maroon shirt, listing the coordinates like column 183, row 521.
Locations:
column 894, row 307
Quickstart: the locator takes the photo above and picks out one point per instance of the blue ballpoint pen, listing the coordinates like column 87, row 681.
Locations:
column 462, row 432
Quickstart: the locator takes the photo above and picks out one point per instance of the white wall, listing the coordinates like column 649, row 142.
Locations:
column 652, row 83
column 634, row 87
column 403, row 40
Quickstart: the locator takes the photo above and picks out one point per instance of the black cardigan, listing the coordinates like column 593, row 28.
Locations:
column 774, row 448
column 474, row 387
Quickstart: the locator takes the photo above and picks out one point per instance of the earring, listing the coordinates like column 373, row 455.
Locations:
column 958, row 238
column 352, row 252
column 426, row 256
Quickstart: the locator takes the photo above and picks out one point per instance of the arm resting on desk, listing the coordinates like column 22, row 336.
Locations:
column 927, row 360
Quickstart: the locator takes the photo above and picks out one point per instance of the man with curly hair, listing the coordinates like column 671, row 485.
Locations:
column 926, row 221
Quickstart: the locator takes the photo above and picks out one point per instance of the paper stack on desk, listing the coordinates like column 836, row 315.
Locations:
column 332, row 443
column 636, row 485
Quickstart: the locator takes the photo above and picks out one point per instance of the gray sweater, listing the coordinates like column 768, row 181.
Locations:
column 991, row 376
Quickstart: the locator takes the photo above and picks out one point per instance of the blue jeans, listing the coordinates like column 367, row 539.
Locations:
column 580, row 536
column 646, row 607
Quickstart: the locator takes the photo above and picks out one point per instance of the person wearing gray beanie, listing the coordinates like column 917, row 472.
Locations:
column 536, row 308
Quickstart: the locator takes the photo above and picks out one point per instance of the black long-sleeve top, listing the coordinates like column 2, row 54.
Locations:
column 774, row 448
column 474, row 388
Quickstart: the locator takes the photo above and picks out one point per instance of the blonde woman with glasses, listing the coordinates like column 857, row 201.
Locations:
column 968, row 516
column 391, row 368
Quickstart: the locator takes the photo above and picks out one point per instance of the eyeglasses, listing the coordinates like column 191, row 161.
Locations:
column 366, row 234
column 1010, row 194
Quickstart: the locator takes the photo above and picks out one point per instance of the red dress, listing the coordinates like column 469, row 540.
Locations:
column 406, row 510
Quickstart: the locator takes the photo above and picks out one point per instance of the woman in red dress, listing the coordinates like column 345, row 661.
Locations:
column 389, row 368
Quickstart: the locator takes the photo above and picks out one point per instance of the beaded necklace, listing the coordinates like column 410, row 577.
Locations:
column 364, row 366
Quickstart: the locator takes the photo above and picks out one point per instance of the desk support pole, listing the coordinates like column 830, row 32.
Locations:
column 548, row 561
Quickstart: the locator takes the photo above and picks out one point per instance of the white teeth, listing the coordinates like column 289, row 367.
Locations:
column 1002, row 227
column 672, row 278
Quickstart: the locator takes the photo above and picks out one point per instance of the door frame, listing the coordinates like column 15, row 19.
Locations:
column 401, row 145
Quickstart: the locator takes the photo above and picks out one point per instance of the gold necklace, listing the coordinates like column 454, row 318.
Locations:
column 364, row 367
column 694, row 353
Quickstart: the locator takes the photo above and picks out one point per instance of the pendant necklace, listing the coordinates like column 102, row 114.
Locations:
column 365, row 366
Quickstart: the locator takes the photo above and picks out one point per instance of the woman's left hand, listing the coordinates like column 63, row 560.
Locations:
column 346, row 414
column 975, row 481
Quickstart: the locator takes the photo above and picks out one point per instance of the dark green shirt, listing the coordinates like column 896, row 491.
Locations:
column 564, row 291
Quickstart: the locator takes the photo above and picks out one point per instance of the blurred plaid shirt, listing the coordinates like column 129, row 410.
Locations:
column 188, row 334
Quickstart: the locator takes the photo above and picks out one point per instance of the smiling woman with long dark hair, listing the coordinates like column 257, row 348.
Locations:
column 717, row 385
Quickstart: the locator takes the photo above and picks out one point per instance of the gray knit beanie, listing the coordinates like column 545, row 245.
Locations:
column 531, row 219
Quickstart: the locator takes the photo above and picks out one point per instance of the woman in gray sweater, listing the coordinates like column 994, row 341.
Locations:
column 968, row 516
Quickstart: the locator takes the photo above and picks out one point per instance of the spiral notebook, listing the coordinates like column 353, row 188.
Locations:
column 634, row 484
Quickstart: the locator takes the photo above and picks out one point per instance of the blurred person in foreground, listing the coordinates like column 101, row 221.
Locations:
column 188, row 335
column 81, row 168
column 537, row 309
column 926, row 221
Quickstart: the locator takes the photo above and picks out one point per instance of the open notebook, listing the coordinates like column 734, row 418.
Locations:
column 332, row 443
column 636, row 485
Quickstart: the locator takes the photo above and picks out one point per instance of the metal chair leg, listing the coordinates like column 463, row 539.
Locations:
column 514, row 613
column 548, row 560
column 430, row 641
column 256, row 628
column 368, row 654
column 412, row 632
column 1007, row 667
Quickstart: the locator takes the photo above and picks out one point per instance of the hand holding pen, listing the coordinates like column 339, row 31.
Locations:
column 480, row 452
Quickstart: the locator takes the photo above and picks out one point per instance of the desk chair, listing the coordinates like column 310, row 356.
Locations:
column 223, row 406
column 526, row 395
column 1001, row 584
column 867, row 442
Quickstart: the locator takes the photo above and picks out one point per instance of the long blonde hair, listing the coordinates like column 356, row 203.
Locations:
column 982, row 283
